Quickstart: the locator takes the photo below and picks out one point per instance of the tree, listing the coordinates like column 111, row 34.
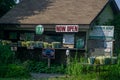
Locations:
column 5, row 6
column 116, row 23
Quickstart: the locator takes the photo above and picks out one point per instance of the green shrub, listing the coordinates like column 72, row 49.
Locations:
column 3, row 70
column 41, row 67
column 17, row 71
column 7, row 68
column 13, row 70
column 6, row 55
column 113, row 71
column 75, row 68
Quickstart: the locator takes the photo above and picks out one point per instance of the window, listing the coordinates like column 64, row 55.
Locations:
column 68, row 39
column 53, row 38
column 27, row 36
column 13, row 35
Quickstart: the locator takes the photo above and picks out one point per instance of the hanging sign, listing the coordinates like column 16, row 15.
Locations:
column 67, row 28
column 39, row 29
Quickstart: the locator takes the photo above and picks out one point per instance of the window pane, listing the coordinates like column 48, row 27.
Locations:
column 13, row 35
column 53, row 38
column 27, row 36
column 68, row 39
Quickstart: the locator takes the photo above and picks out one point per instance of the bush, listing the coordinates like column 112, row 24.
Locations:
column 41, row 67
column 6, row 55
column 113, row 71
column 3, row 70
column 75, row 68
column 7, row 68
column 13, row 70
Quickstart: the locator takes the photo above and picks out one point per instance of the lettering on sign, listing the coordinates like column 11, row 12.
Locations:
column 67, row 28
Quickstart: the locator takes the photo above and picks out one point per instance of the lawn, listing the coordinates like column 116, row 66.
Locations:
column 88, row 76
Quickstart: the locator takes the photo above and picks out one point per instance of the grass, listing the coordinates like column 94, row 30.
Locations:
column 88, row 76
column 75, row 71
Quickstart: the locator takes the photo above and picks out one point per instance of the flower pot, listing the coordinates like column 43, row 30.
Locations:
column 91, row 60
column 107, row 60
column 114, row 60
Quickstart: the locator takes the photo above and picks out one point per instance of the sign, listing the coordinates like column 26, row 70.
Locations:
column 49, row 53
column 39, row 29
column 102, row 32
column 67, row 28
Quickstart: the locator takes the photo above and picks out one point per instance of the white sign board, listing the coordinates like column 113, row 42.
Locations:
column 102, row 32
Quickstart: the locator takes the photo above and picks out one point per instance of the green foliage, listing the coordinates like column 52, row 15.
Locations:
column 75, row 68
column 7, row 68
column 3, row 70
column 116, row 20
column 116, row 23
column 77, row 71
column 5, row 6
column 110, row 72
column 13, row 70
column 6, row 55
column 41, row 67
column 17, row 71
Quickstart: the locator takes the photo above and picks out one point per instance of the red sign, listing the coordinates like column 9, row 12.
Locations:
column 67, row 28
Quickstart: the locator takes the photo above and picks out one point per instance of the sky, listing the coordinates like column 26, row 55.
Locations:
column 118, row 3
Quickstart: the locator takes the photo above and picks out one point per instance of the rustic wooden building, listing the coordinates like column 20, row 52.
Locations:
column 65, row 21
